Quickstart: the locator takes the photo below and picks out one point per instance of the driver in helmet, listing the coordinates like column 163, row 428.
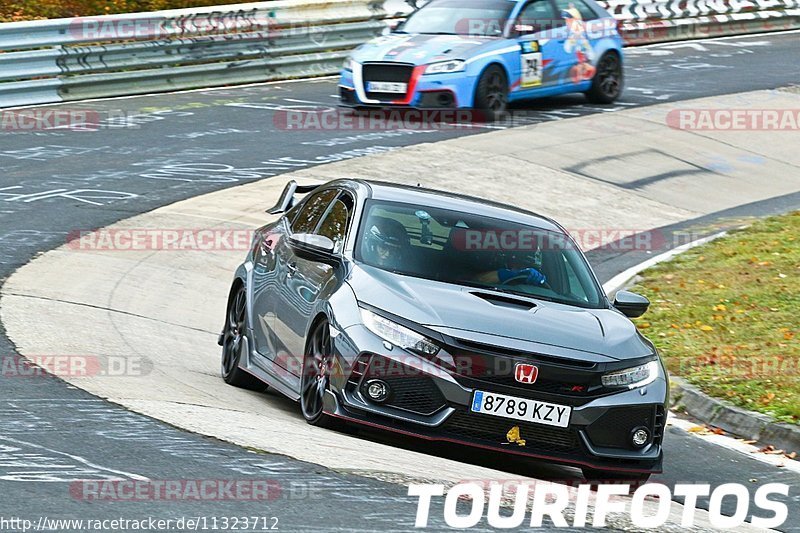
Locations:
column 514, row 269
column 384, row 243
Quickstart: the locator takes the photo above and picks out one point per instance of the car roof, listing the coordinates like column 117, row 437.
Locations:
column 396, row 192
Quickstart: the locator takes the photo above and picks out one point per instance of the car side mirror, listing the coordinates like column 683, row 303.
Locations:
column 520, row 29
column 631, row 305
column 312, row 246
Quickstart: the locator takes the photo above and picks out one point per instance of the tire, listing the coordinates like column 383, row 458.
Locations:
column 232, row 337
column 315, row 379
column 608, row 80
column 491, row 94
column 604, row 476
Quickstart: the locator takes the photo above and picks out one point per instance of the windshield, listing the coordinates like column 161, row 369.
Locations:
column 477, row 251
column 462, row 17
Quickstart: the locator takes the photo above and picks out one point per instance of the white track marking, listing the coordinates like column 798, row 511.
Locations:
column 77, row 458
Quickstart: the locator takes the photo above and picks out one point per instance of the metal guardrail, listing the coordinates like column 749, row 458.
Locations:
column 87, row 57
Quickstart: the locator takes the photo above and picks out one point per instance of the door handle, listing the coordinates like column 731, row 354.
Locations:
column 292, row 268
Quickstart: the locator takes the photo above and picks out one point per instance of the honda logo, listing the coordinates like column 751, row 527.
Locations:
column 525, row 373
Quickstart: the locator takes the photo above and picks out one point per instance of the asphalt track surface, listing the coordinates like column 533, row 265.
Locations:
column 155, row 150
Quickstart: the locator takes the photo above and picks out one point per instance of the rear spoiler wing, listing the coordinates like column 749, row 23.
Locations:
column 287, row 199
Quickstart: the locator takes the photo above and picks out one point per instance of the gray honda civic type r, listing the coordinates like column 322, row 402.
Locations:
column 447, row 318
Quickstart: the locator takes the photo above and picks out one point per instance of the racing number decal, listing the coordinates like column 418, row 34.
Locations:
column 531, row 64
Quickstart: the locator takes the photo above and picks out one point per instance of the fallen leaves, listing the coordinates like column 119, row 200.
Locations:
column 705, row 430
column 770, row 450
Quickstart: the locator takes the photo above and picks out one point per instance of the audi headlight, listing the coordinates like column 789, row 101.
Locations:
column 637, row 376
column 397, row 334
column 443, row 67
column 348, row 64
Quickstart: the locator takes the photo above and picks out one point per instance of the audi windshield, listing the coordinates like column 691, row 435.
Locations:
column 452, row 17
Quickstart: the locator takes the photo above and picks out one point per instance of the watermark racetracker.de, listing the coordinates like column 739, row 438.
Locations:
column 74, row 366
column 729, row 119
column 478, row 240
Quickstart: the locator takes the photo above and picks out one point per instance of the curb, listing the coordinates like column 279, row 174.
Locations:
column 732, row 419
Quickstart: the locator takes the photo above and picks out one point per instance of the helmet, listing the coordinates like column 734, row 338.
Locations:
column 384, row 243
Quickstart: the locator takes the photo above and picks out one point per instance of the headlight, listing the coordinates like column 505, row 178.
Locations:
column 348, row 64
column 443, row 67
column 637, row 376
column 397, row 334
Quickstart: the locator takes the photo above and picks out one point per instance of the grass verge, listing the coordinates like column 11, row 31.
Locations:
column 726, row 316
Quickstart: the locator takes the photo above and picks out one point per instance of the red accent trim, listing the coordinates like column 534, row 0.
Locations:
column 412, row 85
column 474, row 445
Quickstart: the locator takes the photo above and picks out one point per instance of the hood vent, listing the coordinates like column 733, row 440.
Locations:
column 505, row 301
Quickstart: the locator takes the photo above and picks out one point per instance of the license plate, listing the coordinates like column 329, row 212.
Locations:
column 491, row 403
column 386, row 87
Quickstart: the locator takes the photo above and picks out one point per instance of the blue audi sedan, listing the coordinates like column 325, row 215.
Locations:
column 483, row 54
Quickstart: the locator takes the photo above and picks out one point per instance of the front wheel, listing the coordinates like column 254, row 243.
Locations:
column 607, row 81
column 234, row 342
column 315, row 379
column 491, row 94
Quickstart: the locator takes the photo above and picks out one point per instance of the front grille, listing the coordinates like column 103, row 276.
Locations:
column 490, row 429
column 391, row 72
column 577, row 380
column 410, row 389
column 613, row 429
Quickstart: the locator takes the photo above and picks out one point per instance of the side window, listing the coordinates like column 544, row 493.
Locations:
column 312, row 210
column 569, row 8
column 334, row 225
column 291, row 214
column 538, row 16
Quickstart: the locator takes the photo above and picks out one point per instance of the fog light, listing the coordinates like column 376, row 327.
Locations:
column 377, row 390
column 640, row 437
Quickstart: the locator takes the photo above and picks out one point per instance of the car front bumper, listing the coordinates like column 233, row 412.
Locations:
column 433, row 403
column 429, row 91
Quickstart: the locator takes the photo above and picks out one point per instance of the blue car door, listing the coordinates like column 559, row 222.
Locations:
column 579, row 44
column 541, row 34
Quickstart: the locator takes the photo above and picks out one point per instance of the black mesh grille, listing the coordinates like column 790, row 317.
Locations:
column 613, row 429
column 409, row 388
column 482, row 370
column 392, row 72
column 573, row 388
column 539, row 438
